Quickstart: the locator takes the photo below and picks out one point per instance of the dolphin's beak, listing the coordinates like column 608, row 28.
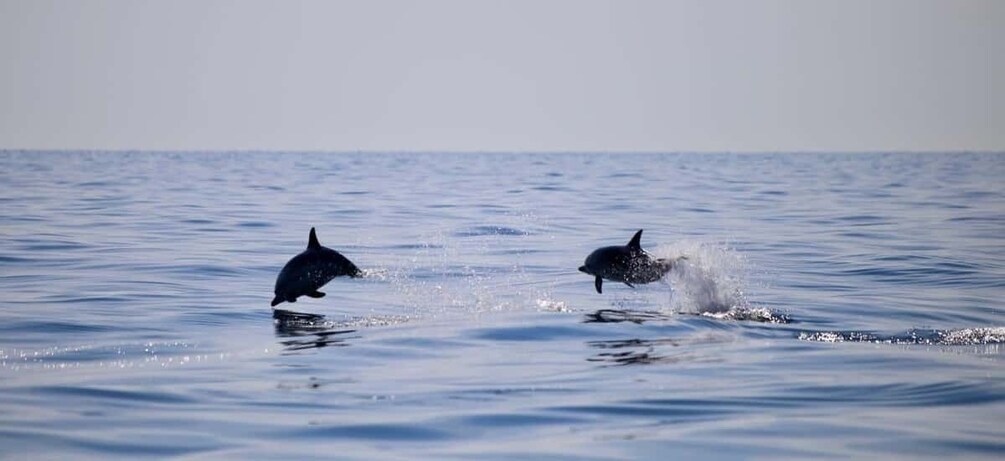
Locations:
column 583, row 270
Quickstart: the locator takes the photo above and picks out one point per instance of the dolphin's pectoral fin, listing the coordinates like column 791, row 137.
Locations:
column 315, row 294
column 629, row 284
column 598, row 283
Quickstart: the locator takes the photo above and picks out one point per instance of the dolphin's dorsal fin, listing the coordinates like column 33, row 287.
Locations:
column 634, row 243
column 312, row 241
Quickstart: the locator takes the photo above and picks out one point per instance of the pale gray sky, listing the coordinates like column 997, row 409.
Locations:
column 469, row 75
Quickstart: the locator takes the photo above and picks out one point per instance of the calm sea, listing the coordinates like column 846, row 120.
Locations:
column 830, row 306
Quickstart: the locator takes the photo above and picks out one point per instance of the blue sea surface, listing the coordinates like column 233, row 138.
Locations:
column 830, row 306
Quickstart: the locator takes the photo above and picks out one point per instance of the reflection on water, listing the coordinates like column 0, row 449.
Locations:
column 634, row 351
column 743, row 314
column 301, row 330
column 618, row 316
column 291, row 322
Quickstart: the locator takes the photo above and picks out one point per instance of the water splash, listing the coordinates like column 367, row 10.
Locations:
column 951, row 337
column 707, row 277
column 549, row 305
column 750, row 314
column 375, row 273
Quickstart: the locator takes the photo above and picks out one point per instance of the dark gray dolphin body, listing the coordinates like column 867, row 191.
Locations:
column 627, row 264
column 310, row 270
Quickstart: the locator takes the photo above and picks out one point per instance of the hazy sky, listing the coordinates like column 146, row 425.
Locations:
column 503, row 75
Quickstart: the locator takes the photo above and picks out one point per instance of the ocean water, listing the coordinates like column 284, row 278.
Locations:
column 831, row 306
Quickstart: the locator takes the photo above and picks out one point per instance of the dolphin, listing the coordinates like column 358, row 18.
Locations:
column 627, row 264
column 310, row 270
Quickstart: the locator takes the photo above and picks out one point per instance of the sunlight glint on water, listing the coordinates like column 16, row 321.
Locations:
column 829, row 306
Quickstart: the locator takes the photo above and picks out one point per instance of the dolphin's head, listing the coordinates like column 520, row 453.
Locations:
column 590, row 264
column 603, row 260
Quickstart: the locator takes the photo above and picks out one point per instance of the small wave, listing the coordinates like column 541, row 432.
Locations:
column 53, row 246
column 13, row 259
column 953, row 337
column 197, row 221
column 480, row 231
column 255, row 224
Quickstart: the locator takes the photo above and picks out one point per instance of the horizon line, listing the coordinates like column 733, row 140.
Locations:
column 493, row 152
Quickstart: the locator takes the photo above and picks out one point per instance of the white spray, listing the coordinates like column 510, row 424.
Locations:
column 710, row 280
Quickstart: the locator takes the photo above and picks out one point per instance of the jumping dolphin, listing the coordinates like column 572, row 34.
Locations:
column 310, row 270
column 627, row 264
